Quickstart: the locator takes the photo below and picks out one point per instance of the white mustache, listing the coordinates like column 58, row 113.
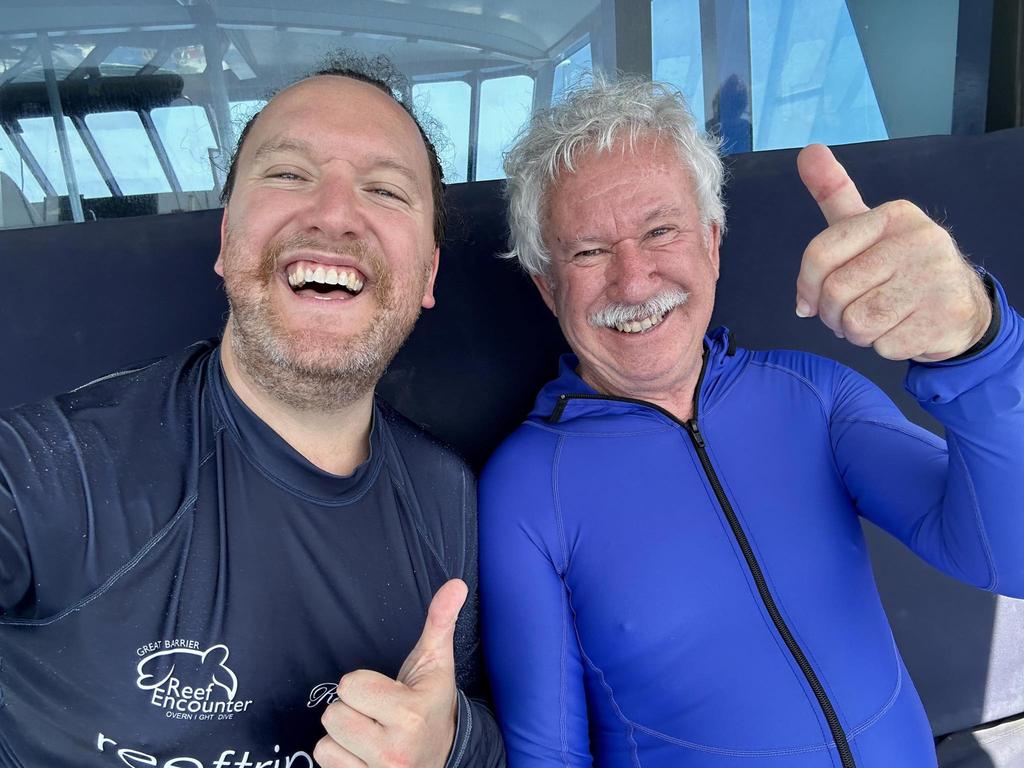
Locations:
column 618, row 314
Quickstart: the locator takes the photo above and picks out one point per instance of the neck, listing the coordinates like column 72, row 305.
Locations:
column 679, row 400
column 336, row 441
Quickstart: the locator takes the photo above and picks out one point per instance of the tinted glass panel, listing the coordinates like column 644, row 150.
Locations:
column 126, row 145
column 40, row 137
column 573, row 70
column 676, row 50
column 188, row 139
column 448, row 102
column 809, row 80
column 768, row 74
column 173, row 108
column 505, row 105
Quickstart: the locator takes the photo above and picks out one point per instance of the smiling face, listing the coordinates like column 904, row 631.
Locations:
column 633, row 270
column 327, row 247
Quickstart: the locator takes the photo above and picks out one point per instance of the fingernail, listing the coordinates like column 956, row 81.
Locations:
column 803, row 309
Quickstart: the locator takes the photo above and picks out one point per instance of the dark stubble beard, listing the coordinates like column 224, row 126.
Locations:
column 313, row 369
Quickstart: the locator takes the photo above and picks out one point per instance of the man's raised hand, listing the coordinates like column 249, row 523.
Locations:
column 886, row 277
column 409, row 721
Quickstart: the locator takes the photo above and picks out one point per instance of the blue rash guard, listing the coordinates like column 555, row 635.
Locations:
column 699, row 594
column 179, row 588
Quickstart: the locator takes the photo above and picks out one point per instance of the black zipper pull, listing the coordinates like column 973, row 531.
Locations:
column 698, row 438
column 556, row 414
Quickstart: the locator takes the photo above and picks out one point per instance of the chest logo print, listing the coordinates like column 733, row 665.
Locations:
column 325, row 693
column 189, row 683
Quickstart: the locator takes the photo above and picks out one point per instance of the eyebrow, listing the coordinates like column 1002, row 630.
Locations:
column 305, row 148
column 655, row 213
column 283, row 145
column 391, row 163
column 660, row 212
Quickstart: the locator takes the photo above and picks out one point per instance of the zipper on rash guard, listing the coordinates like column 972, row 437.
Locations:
column 693, row 429
column 842, row 744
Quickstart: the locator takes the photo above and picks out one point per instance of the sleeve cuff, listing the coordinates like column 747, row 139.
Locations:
column 942, row 383
column 463, row 730
column 993, row 325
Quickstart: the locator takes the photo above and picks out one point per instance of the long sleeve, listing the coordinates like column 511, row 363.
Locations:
column 477, row 737
column 532, row 652
column 960, row 504
column 15, row 566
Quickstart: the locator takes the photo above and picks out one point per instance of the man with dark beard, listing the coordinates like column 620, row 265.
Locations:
column 192, row 553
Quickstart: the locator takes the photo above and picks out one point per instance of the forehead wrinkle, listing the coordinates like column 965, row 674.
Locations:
column 658, row 212
column 613, row 199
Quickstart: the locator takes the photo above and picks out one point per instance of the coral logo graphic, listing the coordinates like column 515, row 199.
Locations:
column 189, row 683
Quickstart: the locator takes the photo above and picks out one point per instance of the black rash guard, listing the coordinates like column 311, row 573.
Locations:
column 180, row 588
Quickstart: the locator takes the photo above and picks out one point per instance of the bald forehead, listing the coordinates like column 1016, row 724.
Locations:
column 338, row 84
column 325, row 92
column 325, row 104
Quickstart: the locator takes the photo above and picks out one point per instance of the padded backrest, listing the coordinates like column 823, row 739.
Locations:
column 80, row 300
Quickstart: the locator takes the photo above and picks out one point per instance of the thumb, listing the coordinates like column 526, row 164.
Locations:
column 439, row 628
column 438, row 636
column 829, row 183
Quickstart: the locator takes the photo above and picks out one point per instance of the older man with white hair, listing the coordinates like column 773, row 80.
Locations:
column 673, row 569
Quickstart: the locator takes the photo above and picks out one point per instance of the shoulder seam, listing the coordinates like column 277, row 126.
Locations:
column 109, row 376
column 556, row 507
column 802, row 379
column 122, row 570
column 126, row 371
column 429, row 544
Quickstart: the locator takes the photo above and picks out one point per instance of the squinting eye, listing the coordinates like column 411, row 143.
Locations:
column 389, row 194
column 585, row 254
column 286, row 175
column 660, row 231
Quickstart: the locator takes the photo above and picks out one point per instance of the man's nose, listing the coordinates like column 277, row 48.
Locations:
column 336, row 209
column 634, row 271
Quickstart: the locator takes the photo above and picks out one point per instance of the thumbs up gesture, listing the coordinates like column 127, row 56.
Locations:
column 406, row 722
column 886, row 277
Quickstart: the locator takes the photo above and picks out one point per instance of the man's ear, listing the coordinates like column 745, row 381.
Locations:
column 546, row 288
column 715, row 235
column 428, row 292
column 218, row 265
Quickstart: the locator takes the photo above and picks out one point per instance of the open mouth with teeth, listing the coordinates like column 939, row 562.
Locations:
column 324, row 282
column 639, row 326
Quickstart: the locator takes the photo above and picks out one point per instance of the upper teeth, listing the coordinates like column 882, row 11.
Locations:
column 637, row 326
column 298, row 276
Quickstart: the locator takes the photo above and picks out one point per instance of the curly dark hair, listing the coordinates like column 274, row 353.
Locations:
column 381, row 73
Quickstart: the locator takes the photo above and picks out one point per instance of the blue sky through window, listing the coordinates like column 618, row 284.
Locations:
column 40, row 136
column 123, row 141
column 676, row 50
column 809, row 79
column 505, row 106
column 187, row 137
column 574, row 70
column 448, row 102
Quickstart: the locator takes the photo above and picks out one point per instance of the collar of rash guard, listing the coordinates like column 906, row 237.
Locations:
column 279, row 461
